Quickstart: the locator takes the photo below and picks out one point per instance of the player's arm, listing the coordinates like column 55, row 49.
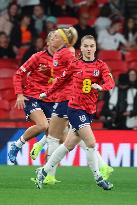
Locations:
column 59, row 81
column 19, row 77
column 107, row 77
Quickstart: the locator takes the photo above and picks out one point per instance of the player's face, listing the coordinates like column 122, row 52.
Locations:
column 50, row 43
column 57, row 40
column 50, row 40
column 88, row 48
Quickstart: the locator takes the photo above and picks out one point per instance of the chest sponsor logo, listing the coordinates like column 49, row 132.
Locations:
column 82, row 118
column 42, row 67
column 96, row 73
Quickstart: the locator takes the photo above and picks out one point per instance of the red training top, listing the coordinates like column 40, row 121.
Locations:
column 61, row 60
column 37, row 72
column 84, row 74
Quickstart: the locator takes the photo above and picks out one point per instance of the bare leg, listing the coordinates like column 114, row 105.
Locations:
column 57, row 127
column 41, row 125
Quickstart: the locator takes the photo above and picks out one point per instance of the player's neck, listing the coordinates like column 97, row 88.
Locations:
column 51, row 51
column 91, row 58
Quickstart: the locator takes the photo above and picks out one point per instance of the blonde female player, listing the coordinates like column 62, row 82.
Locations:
column 87, row 77
column 59, row 119
column 37, row 71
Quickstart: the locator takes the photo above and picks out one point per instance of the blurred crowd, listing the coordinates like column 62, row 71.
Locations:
column 26, row 24
column 119, row 110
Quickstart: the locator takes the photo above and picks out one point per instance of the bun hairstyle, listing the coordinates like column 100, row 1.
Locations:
column 69, row 35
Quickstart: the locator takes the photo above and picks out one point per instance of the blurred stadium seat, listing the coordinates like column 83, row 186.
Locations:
column 109, row 55
column 66, row 21
column 16, row 114
column 131, row 59
column 117, row 67
column 132, row 65
column 6, row 83
column 4, row 104
column 8, row 94
column 6, row 73
column 8, row 63
column 131, row 56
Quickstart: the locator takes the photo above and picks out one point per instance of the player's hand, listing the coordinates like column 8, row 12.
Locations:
column 96, row 86
column 42, row 95
column 20, row 102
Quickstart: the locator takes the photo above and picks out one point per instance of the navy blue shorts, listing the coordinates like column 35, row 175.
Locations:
column 61, row 110
column 79, row 118
column 34, row 104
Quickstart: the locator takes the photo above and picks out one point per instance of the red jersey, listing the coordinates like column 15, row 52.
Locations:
column 37, row 78
column 84, row 74
column 61, row 60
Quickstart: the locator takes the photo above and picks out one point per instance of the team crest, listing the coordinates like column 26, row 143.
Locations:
column 96, row 73
column 82, row 118
column 55, row 63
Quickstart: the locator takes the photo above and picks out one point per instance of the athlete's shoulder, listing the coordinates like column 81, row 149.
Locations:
column 36, row 55
column 100, row 62
column 65, row 51
column 75, row 61
column 39, row 53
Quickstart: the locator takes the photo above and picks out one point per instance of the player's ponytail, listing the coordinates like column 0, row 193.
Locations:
column 69, row 35
column 74, row 34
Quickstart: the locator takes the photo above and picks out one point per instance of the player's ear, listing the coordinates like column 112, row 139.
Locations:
column 81, row 48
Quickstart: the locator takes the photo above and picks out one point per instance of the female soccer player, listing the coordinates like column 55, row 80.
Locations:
column 62, row 41
column 41, row 76
column 30, row 79
column 87, row 74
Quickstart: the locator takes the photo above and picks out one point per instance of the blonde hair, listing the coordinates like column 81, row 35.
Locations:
column 69, row 35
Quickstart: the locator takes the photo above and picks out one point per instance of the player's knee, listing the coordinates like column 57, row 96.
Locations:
column 43, row 127
column 91, row 144
column 70, row 147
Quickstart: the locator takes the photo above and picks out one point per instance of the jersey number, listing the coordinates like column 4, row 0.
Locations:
column 86, row 86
